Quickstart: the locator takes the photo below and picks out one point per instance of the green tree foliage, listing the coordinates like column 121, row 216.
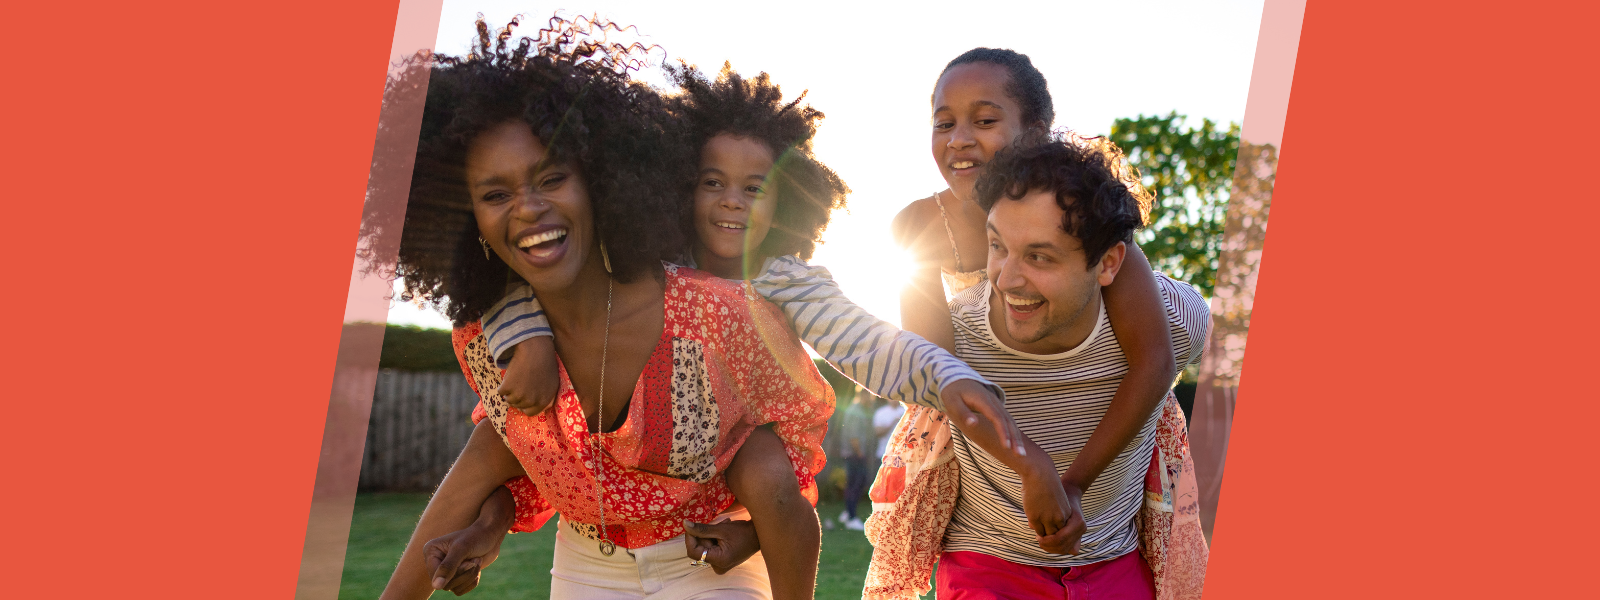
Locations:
column 1190, row 172
column 412, row 348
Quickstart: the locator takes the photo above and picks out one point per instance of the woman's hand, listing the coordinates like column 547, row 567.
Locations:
column 484, row 465
column 456, row 559
column 532, row 380
column 725, row 545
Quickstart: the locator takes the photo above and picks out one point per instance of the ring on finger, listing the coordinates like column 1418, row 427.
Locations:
column 701, row 562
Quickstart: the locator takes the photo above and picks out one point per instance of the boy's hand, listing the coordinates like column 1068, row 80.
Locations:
column 966, row 402
column 725, row 545
column 531, row 380
column 1066, row 540
column 456, row 559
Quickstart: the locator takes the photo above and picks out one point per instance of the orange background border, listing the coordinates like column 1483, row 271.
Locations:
column 184, row 184
column 1413, row 418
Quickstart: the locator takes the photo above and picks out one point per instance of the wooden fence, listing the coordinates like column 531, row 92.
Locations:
column 420, row 421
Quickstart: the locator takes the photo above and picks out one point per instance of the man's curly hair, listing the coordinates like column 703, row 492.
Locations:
column 807, row 191
column 573, row 89
column 1090, row 178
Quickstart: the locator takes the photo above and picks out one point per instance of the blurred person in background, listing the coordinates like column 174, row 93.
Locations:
column 858, row 444
column 883, row 421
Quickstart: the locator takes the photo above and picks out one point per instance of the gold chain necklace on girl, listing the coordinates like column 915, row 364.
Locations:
column 607, row 547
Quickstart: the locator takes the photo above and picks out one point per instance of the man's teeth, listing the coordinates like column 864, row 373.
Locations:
column 1021, row 302
column 965, row 164
column 728, row 225
column 534, row 240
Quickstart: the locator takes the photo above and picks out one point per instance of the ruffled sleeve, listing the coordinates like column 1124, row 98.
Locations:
column 782, row 386
column 532, row 509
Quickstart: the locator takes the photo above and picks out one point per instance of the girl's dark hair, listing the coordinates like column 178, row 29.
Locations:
column 807, row 191
column 1090, row 178
column 1025, row 83
column 574, row 91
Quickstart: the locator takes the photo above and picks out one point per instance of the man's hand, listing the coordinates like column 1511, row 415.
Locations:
column 966, row 402
column 725, row 545
column 457, row 559
column 1066, row 540
column 531, row 380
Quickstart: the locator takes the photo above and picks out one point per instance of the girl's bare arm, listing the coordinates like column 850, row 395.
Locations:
column 923, row 309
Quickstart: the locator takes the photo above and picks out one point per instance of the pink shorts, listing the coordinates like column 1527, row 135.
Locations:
column 975, row 576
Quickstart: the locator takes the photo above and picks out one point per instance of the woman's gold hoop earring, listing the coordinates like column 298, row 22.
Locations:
column 604, row 257
column 485, row 244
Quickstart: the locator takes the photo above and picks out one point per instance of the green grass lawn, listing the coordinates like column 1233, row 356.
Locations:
column 383, row 522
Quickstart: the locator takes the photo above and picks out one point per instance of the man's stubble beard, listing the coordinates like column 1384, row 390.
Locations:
column 1052, row 326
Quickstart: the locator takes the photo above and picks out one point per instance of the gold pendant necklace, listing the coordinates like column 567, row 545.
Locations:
column 607, row 547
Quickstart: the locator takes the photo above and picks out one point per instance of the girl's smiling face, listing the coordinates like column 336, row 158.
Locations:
column 973, row 117
column 733, row 206
column 535, row 216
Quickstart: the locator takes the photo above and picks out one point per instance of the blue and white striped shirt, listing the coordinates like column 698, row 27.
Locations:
column 895, row 364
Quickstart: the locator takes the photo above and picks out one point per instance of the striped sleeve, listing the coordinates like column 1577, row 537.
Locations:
column 516, row 318
column 1188, row 316
column 894, row 364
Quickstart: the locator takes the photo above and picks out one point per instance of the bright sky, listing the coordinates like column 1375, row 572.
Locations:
column 871, row 69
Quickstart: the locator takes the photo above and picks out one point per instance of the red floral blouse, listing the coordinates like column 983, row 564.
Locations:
column 726, row 363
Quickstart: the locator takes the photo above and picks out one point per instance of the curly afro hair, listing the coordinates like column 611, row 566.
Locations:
column 1090, row 178
column 807, row 191
column 573, row 89
column 1026, row 84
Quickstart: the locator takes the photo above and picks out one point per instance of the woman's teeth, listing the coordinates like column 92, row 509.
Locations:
column 966, row 164
column 548, row 236
column 729, row 225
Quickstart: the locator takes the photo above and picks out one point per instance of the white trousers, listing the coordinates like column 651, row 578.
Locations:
column 657, row 572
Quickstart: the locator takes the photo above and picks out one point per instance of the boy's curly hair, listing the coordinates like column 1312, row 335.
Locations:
column 807, row 191
column 1090, row 178
column 572, row 87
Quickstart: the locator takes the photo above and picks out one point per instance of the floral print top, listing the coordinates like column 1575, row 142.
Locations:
column 727, row 362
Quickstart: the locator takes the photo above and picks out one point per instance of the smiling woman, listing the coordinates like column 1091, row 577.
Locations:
column 542, row 164
column 634, row 179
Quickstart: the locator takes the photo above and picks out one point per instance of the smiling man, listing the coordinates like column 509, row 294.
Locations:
column 1061, row 215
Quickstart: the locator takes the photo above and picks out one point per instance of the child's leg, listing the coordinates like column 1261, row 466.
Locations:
column 762, row 478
